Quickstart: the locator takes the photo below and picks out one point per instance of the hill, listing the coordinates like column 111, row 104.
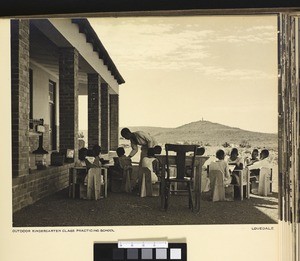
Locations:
column 153, row 130
column 214, row 134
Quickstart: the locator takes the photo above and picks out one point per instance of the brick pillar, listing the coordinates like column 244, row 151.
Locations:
column 68, row 100
column 114, row 121
column 104, row 118
column 20, row 96
column 94, row 109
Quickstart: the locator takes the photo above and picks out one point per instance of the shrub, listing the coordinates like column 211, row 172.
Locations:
column 245, row 144
column 226, row 145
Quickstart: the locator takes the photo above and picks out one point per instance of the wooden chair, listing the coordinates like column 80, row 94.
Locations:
column 218, row 191
column 243, row 180
column 121, row 177
column 146, row 186
column 217, row 187
column 265, row 181
column 181, row 170
column 96, row 186
column 76, row 177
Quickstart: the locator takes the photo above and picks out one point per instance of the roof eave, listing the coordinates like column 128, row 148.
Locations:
column 91, row 36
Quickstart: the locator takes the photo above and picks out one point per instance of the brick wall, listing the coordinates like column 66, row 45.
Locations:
column 40, row 183
column 94, row 109
column 114, row 121
column 20, row 96
column 68, row 99
column 105, row 118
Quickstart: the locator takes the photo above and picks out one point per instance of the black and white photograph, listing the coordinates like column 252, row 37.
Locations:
column 98, row 101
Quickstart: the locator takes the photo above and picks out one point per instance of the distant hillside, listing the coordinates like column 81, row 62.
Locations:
column 205, row 132
column 153, row 130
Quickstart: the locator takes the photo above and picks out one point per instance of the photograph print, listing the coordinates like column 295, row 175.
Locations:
column 149, row 120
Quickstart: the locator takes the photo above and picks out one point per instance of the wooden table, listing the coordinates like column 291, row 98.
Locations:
column 199, row 161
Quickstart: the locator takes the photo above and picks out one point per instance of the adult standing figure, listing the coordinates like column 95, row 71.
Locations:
column 138, row 138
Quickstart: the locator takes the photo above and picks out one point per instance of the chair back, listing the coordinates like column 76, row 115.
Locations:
column 94, row 183
column 217, row 185
column 265, row 171
column 117, row 164
column 122, row 162
column 181, row 159
column 265, row 179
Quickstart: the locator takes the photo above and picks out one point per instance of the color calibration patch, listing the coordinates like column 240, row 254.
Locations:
column 112, row 252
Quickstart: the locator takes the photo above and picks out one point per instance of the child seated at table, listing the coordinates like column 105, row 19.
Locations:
column 92, row 162
column 98, row 161
column 121, row 173
column 157, row 149
column 221, row 165
column 255, row 168
column 152, row 164
column 221, row 177
column 235, row 160
column 81, row 173
column 253, row 158
column 124, row 161
column 82, row 153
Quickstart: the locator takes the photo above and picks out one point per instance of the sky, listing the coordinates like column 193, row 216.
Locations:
column 179, row 70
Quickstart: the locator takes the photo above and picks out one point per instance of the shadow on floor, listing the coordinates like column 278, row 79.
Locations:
column 129, row 209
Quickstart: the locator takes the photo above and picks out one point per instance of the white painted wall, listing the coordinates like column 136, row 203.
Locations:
column 41, row 93
column 78, row 40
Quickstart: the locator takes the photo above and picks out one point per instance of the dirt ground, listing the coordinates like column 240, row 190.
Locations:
column 129, row 209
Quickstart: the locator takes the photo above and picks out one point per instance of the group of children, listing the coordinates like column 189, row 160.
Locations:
column 150, row 162
column 91, row 158
column 220, row 163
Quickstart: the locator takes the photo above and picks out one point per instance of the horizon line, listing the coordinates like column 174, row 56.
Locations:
column 164, row 127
